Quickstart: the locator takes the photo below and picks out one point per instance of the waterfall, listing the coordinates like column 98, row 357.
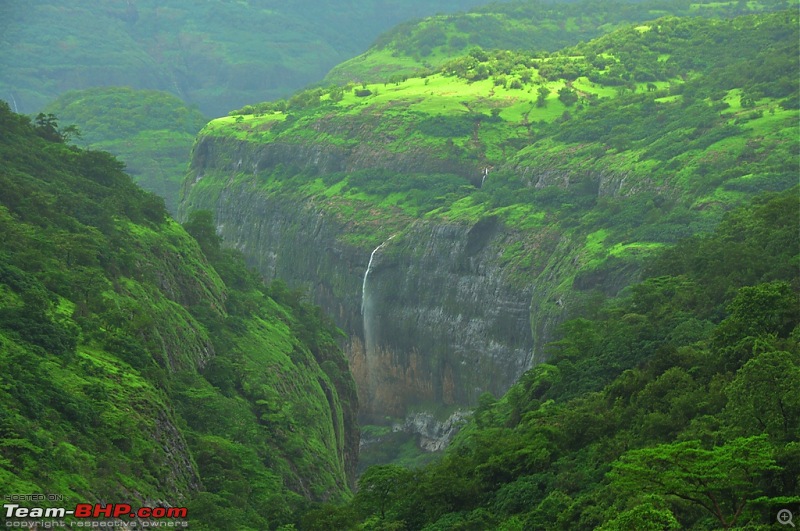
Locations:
column 366, row 274
column 485, row 174
column 369, row 320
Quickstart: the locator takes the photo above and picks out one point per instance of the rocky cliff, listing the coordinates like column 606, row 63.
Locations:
column 437, row 319
column 450, row 222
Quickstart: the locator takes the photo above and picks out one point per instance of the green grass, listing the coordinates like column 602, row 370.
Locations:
column 594, row 241
column 373, row 64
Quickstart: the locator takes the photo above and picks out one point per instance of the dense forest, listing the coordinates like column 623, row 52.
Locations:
column 143, row 362
column 671, row 406
column 570, row 226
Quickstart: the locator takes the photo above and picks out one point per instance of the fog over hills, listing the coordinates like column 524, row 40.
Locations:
column 217, row 55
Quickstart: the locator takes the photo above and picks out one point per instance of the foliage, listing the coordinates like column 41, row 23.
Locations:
column 663, row 435
column 135, row 367
column 150, row 131
column 420, row 46
column 721, row 480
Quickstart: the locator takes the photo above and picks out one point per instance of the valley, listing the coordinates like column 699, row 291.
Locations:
column 489, row 274
column 493, row 198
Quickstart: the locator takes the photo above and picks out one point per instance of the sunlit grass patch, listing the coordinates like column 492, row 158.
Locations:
column 582, row 84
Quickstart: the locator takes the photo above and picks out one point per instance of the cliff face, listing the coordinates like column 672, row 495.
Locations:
column 438, row 318
column 448, row 309
column 347, row 154
column 442, row 323
column 483, row 216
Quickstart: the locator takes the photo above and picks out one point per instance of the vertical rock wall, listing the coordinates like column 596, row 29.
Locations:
column 445, row 321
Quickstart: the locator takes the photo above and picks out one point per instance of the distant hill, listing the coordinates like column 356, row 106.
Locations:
column 417, row 46
column 216, row 54
column 150, row 131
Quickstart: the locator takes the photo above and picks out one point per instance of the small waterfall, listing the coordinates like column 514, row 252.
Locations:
column 369, row 320
column 485, row 174
column 366, row 274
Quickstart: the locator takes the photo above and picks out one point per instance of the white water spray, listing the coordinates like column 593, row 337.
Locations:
column 370, row 323
column 366, row 273
column 485, row 174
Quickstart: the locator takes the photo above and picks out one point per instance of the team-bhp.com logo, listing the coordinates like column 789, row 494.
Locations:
column 146, row 516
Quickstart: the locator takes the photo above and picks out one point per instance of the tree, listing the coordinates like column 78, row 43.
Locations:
column 764, row 395
column 758, row 314
column 201, row 226
column 721, row 480
column 764, row 309
column 541, row 98
column 336, row 93
column 46, row 126
column 378, row 486
column 645, row 516
column 567, row 96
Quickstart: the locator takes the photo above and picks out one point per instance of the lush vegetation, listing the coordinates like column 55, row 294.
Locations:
column 626, row 142
column 671, row 406
column 592, row 158
column 150, row 131
column 141, row 360
column 217, row 55
column 142, row 364
column 418, row 46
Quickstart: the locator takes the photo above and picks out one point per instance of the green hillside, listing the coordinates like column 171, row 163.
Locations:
column 673, row 406
column 581, row 163
column 627, row 142
column 143, row 365
column 215, row 54
column 150, row 131
column 418, row 46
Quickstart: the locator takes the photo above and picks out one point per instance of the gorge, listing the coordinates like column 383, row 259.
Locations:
column 421, row 309
column 448, row 284
column 530, row 266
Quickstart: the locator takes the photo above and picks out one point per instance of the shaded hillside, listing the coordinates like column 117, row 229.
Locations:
column 503, row 193
column 150, row 131
column 142, row 365
column 215, row 54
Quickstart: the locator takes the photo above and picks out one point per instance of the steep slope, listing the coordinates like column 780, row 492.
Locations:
column 150, row 131
column 137, row 368
column 216, row 54
column 490, row 200
column 673, row 406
